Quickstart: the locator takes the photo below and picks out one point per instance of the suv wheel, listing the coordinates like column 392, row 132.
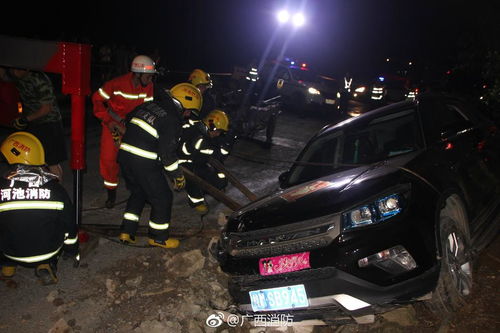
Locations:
column 455, row 276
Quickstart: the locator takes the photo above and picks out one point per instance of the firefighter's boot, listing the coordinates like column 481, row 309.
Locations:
column 46, row 274
column 110, row 202
column 170, row 243
column 126, row 238
column 201, row 209
column 8, row 271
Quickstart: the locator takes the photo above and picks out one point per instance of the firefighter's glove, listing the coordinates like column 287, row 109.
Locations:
column 179, row 183
column 20, row 123
column 117, row 128
column 117, row 138
column 72, row 251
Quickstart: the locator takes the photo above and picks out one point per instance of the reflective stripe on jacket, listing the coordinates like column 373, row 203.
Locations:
column 152, row 134
column 120, row 95
column 35, row 219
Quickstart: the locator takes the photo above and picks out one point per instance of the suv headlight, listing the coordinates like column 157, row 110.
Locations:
column 313, row 91
column 360, row 89
column 374, row 212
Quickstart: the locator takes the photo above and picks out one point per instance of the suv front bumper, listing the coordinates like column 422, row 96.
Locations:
column 333, row 293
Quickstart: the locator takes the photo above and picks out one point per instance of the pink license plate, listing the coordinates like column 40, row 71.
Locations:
column 284, row 264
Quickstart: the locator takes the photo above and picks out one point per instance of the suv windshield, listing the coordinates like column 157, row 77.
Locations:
column 382, row 138
column 303, row 75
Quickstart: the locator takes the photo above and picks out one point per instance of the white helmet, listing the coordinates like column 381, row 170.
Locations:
column 143, row 64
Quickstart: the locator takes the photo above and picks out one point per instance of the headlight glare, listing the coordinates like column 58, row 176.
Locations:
column 313, row 91
column 360, row 89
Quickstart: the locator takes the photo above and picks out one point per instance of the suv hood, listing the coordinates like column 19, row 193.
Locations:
column 327, row 195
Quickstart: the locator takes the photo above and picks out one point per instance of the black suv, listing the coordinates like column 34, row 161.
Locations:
column 380, row 210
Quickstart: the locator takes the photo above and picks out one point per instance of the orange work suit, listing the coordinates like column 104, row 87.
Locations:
column 112, row 102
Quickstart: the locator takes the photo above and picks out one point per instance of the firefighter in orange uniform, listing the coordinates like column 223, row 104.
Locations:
column 112, row 102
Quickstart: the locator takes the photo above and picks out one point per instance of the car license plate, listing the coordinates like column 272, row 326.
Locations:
column 284, row 264
column 281, row 298
column 329, row 101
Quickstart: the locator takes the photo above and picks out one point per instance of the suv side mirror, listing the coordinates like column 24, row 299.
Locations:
column 282, row 178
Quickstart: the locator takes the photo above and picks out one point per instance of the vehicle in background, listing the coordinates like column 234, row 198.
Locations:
column 251, row 115
column 378, row 211
column 302, row 89
column 369, row 90
column 259, row 118
column 383, row 89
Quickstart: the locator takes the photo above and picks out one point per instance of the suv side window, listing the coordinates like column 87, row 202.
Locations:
column 453, row 116
column 322, row 152
column 440, row 118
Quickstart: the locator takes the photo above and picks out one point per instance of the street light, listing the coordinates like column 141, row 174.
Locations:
column 298, row 19
column 283, row 16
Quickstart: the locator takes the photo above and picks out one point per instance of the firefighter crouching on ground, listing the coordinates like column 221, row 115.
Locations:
column 148, row 149
column 36, row 213
column 201, row 80
column 112, row 102
column 197, row 145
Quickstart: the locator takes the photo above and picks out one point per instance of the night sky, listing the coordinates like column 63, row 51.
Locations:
column 339, row 36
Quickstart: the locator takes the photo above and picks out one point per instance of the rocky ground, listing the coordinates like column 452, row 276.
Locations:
column 139, row 289
column 178, row 290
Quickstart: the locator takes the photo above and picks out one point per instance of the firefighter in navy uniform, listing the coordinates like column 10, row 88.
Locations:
column 202, row 80
column 199, row 143
column 36, row 213
column 147, row 150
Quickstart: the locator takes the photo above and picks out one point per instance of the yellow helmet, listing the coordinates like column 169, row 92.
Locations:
column 23, row 148
column 199, row 76
column 188, row 95
column 217, row 119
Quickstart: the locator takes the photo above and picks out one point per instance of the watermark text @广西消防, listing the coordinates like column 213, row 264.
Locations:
column 266, row 320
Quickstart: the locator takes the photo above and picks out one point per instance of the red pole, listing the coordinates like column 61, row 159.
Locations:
column 77, row 132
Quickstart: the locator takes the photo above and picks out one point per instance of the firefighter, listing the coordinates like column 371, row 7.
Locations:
column 202, row 80
column 112, row 102
column 195, row 149
column 147, row 150
column 36, row 212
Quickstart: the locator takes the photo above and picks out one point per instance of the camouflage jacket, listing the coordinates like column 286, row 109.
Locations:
column 36, row 89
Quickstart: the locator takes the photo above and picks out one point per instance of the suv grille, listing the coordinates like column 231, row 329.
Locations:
column 297, row 237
